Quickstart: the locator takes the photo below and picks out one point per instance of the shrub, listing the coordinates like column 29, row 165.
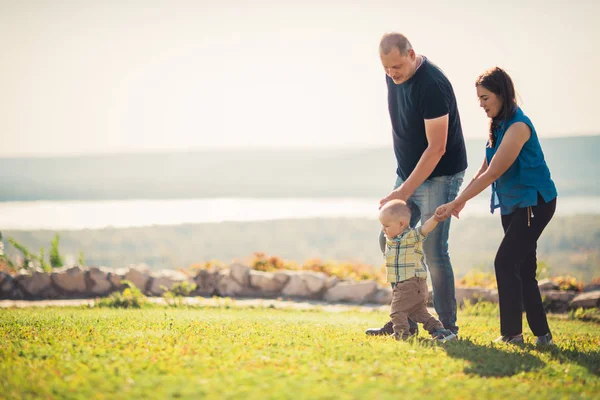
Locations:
column 56, row 260
column 5, row 264
column 193, row 269
column 347, row 270
column 42, row 260
column 131, row 297
column 567, row 282
column 81, row 259
column 478, row 278
column 27, row 256
column 481, row 308
column 262, row 262
column 342, row 270
column 184, row 288
column 174, row 297
column 583, row 314
column 543, row 270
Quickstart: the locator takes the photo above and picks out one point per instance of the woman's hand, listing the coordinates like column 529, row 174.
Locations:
column 445, row 211
column 458, row 209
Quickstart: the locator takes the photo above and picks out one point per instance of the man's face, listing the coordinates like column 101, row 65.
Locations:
column 398, row 67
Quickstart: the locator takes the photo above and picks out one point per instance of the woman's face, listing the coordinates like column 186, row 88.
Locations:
column 489, row 101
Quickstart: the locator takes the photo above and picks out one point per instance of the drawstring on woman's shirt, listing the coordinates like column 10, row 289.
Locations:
column 529, row 215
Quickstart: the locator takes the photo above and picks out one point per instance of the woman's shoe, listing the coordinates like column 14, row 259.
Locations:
column 514, row 339
column 545, row 340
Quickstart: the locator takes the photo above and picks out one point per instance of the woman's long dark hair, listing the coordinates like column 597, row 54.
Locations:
column 497, row 81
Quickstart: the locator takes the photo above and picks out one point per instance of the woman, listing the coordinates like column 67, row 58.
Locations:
column 523, row 190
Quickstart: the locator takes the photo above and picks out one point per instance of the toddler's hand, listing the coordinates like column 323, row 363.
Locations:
column 444, row 212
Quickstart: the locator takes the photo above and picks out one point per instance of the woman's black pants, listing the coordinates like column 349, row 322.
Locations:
column 516, row 265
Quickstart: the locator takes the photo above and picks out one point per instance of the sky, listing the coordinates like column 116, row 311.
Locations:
column 88, row 77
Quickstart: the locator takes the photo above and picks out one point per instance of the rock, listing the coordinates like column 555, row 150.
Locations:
column 34, row 284
column 295, row 287
column 116, row 276
column 591, row 287
column 228, row 286
column 383, row 296
column 69, row 280
column 586, row 300
column 240, row 273
column 7, row 285
column 465, row 293
column 353, row 292
column 331, row 282
column 547, row 284
column 267, row 282
column 53, row 293
column 17, row 294
column 165, row 280
column 138, row 276
column 207, row 282
column 473, row 294
column 315, row 281
column 557, row 301
column 308, row 285
column 492, row 296
column 98, row 281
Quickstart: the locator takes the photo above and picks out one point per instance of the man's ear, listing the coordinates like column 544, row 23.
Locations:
column 412, row 54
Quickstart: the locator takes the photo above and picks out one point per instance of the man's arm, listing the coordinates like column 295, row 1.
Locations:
column 436, row 131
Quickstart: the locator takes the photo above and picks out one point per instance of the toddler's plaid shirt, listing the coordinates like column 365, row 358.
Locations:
column 404, row 256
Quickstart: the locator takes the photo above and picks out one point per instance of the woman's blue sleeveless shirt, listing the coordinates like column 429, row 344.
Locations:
column 529, row 174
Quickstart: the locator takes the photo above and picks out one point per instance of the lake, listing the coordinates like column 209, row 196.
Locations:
column 55, row 215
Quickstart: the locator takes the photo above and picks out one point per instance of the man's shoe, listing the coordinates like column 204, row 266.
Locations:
column 514, row 339
column 443, row 335
column 545, row 340
column 388, row 329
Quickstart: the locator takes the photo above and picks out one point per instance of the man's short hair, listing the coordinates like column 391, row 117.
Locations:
column 389, row 41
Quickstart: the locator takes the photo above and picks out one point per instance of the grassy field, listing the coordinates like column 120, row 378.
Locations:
column 257, row 353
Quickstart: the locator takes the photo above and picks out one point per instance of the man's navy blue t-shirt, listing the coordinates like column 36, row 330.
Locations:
column 427, row 94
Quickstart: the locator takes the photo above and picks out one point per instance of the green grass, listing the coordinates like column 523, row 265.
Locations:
column 252, row 353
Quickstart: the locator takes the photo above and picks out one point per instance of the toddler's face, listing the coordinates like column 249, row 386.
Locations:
column 391, row 227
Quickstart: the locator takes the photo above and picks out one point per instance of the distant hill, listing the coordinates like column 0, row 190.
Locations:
column 257, row 173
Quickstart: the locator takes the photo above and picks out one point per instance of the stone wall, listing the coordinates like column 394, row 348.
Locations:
column 241, row 281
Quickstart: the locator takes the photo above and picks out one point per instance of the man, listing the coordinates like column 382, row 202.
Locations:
column 431, row 157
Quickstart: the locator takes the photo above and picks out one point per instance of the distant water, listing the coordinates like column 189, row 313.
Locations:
column 72, row 215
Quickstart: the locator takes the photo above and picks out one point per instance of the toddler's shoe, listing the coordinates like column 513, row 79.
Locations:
column 401, row 336
column 387, row 329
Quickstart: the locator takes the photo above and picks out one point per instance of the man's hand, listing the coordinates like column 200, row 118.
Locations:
column 398, row 194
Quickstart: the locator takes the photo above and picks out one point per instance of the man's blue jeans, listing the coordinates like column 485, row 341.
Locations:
column 430, row 195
